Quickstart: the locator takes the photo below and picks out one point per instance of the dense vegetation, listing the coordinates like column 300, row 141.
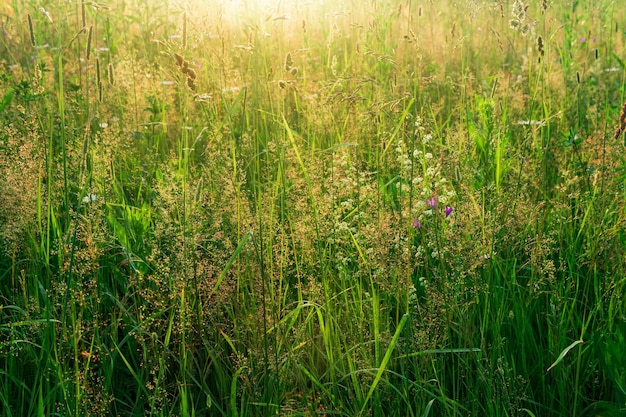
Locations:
column 366, row 208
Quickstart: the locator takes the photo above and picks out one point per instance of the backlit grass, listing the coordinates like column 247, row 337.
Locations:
column 375, row 208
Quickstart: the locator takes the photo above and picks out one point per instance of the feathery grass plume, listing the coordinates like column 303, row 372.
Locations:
column 540, row 45
column 288, row 62
column 99, row 91
column 622, row 123
column 544, row 6
column 282, row 84
column 184, row 30
column 89, row 36
column 294, row 71
column 419, row 11
column 110, row 71
column 31, row 30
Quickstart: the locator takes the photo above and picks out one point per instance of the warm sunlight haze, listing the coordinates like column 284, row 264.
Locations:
column 312, row 208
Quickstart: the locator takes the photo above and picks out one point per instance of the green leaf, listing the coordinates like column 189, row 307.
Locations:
column 7, row 99
column 565, row 352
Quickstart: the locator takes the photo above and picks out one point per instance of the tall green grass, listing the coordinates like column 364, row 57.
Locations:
column 362, row 209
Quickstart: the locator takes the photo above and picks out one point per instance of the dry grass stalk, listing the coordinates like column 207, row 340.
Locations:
column 184, row 30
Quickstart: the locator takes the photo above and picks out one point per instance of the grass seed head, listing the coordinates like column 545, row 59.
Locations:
column 89, row 36
column 179, row 59
column 190, row 72
column 288, row 62
column 83, row 13
column 110, row 71
column 191, row 84
column 31, row 29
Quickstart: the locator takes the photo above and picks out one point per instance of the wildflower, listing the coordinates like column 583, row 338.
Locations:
column 448, row 210
column 432, row 202
column 89, row 198
column 417, row 224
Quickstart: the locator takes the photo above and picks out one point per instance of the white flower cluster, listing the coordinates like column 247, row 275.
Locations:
column 421, row 174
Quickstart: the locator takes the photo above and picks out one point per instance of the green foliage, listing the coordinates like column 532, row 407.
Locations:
column 363, row 208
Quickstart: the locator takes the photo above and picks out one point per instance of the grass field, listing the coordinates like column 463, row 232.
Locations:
column 323, row 208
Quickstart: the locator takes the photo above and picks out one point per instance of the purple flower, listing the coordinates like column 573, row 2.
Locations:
column 432, row 203
column 448, row 210
column 417, row 224
column 583, row 40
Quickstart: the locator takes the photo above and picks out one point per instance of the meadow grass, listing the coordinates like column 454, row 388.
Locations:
column 381, row 208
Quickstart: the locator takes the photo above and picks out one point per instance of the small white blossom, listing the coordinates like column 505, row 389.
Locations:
column 89, row 198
